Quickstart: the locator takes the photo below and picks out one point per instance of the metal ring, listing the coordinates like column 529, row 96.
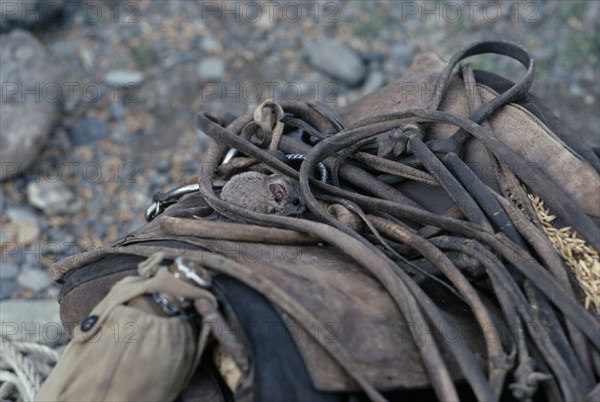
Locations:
column 152, row 211
column 320, row 165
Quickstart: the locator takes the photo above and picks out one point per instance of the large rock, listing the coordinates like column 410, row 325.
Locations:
column 34, row 278
column 336, row 60
column 32, row 321
column 24, row 13
column 30, row 99
column 51, row 197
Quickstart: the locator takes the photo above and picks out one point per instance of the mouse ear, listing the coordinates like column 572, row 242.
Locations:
column 278, row 190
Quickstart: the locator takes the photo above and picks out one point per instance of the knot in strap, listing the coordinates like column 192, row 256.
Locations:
column 267, row 117
column 148, row 268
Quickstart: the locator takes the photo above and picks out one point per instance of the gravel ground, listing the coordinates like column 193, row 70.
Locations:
column 133, row 74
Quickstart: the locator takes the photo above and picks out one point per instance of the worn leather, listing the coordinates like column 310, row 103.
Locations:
column 336, row 290
column 330, row 285
column 515, row 125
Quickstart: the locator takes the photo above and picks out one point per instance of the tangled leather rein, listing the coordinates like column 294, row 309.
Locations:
column 553, row 340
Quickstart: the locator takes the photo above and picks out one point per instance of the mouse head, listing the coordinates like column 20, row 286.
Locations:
column 279, row 191
column 286, row 195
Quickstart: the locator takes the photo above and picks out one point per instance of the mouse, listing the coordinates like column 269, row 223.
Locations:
column 267, row 194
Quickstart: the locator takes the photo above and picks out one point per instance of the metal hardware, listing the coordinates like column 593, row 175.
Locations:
column 164, row 302
column 320, row 165
column 203, row 279
column 229, row 155
column 176, row 305
column 162, row 200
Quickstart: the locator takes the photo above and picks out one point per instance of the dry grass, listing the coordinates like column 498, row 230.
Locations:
column 582, row 258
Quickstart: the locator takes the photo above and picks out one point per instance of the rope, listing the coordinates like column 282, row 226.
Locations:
column 24, row 366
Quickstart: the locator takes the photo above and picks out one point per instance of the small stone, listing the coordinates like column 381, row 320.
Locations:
column 120, row 134
column 264, row 21
column 20, row 214
column 576, row 90
column 26, row 224
column 50, row 197
column 337, row 61
column 27, row 234
column 60, row 236
column 374, row 81
column 62, row 48
column 163, row 165
column 591, row 17
column 117, row 111
column 99, row 229
column 90, row 129
column 87, row 58
column 8, row 271
column 32, row 321
column 211, row 68
column 138, row 199
column 402, row 52
column 210, row 44
column 34, row 278
column 124, row 77
column 52, row 293
column 8, row 287
column 6, row 234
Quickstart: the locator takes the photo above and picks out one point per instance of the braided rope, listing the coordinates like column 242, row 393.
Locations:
column 9, row 385
column 24, row 366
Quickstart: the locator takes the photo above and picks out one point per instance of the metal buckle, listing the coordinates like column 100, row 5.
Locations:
column 162, row 200
column 203, row 279
column 176, row 305
column 165, row 302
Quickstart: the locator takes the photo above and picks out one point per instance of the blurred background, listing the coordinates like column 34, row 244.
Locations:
column 98, row 97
